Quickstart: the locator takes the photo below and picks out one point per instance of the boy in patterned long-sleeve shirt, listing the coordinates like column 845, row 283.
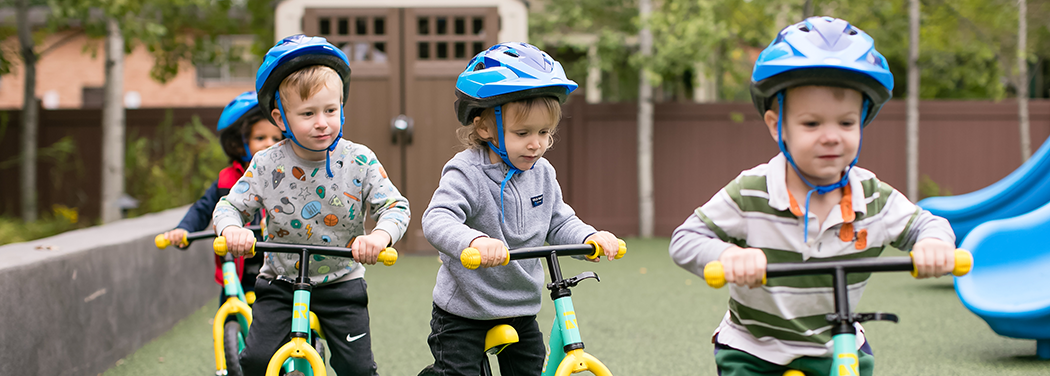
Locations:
column 315, row 186
column 817, row 85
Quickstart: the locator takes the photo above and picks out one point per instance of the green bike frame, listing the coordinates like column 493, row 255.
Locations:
column 844, row 334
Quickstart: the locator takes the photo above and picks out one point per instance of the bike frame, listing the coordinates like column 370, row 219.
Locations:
column 844, row 334
column 298, row 354
column 565, row 332
column 235, row 304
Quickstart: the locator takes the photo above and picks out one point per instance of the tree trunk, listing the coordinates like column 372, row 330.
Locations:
column 912, row 129
column 1022, row 79
column 807, row 9
column 645, row 128
column 594, row 74
column 113, row 124
column 29, row 114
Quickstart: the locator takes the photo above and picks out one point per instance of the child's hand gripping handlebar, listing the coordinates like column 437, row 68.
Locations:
column 714, row 274
column 162, row 242
column 471, row 257
column 387, row 256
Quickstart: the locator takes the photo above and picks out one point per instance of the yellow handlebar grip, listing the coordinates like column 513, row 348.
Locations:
column 598, row 251
column 161, row 241
column 388, row 256
column 471, row 258
column 506, row 260
column 714, row 275
column 219, row 245
column 963, row 262
column 622, row 251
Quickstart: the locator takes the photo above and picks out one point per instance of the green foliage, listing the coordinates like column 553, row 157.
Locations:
column 967, row 47
column 61, row 219
column 173, row 31
column 930, row 188
column 172, row 167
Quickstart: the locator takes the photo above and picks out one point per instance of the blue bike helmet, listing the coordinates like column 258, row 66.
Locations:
column 821, row 51
column 504, row 73
column 233, row 113
column 292, row 54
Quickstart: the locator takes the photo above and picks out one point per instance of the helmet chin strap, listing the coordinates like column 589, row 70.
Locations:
column 501, row 150
column 247, row 157
column 289, row 134
column 819, row 189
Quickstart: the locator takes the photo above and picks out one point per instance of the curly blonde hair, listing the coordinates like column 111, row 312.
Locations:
column 516, row 112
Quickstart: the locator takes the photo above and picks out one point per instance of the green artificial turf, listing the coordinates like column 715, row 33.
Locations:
column 646, row 317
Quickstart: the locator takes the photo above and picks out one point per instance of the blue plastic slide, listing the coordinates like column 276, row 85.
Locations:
column 1009, row 286
column 1024, row 190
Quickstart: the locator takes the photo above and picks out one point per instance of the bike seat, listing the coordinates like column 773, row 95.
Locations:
column 499, row 337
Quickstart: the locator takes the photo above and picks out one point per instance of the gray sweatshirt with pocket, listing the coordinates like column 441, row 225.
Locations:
column 466, row 206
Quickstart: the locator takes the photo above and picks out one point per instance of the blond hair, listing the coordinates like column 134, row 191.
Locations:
column 308, row 81
column 838, row 93
column 516, row 112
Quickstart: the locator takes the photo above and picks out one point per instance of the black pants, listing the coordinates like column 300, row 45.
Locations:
column 342, row 309
column 458, row 345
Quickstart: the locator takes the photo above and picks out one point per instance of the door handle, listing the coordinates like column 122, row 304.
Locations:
column 401, row 127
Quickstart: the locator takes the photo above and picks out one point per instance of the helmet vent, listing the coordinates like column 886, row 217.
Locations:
column 479, row 66
column 511, row 52
column 852, row 32
column 803, row 28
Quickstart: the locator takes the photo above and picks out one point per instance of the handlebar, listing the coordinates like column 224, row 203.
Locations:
column 161, row 242
column 471, row 257
column 387, row 256
column 714, row 274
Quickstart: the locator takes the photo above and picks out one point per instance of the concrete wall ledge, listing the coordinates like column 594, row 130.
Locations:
column 75, row 303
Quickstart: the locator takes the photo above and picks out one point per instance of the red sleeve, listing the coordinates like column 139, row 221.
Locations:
column 218, row 268
column 229, row 175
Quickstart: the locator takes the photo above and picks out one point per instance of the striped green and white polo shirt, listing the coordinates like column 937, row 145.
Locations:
column 785, row 319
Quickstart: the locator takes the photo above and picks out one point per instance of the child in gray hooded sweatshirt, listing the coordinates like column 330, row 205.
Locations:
column 501, row 196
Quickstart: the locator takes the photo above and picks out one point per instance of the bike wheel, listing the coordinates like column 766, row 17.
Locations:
column 232, row 331
column 427, row 371
column 318, row 345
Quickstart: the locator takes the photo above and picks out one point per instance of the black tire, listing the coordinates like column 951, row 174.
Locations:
column 427, row 371
column 232, row 330
column 318, row 345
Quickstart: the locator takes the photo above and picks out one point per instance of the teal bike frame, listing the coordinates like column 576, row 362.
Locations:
column 844, row 334
column 298, row 354
column 566, row 355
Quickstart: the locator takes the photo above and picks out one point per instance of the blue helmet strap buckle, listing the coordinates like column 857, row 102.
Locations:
column 289, row 134
column 501, row 150
column 819, row 189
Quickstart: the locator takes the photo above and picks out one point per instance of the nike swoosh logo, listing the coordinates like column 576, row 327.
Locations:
column 354, row 338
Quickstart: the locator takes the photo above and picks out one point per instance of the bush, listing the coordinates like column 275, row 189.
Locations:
column 930, row 188
column 61, row 219
column 173, row 167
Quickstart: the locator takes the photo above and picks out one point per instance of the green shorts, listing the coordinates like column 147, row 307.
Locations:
column 733, row 362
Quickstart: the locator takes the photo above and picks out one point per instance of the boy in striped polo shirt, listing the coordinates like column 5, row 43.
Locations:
column 817, row 85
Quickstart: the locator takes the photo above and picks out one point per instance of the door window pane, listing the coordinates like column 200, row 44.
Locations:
column 379, row 26
column 324, row 26
column 344, row 26
column 424, row 50
column 424, row 25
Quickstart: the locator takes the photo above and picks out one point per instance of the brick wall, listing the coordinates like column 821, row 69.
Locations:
column 70, row 66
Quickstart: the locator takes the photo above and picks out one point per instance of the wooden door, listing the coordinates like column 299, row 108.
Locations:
column 405, row 61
